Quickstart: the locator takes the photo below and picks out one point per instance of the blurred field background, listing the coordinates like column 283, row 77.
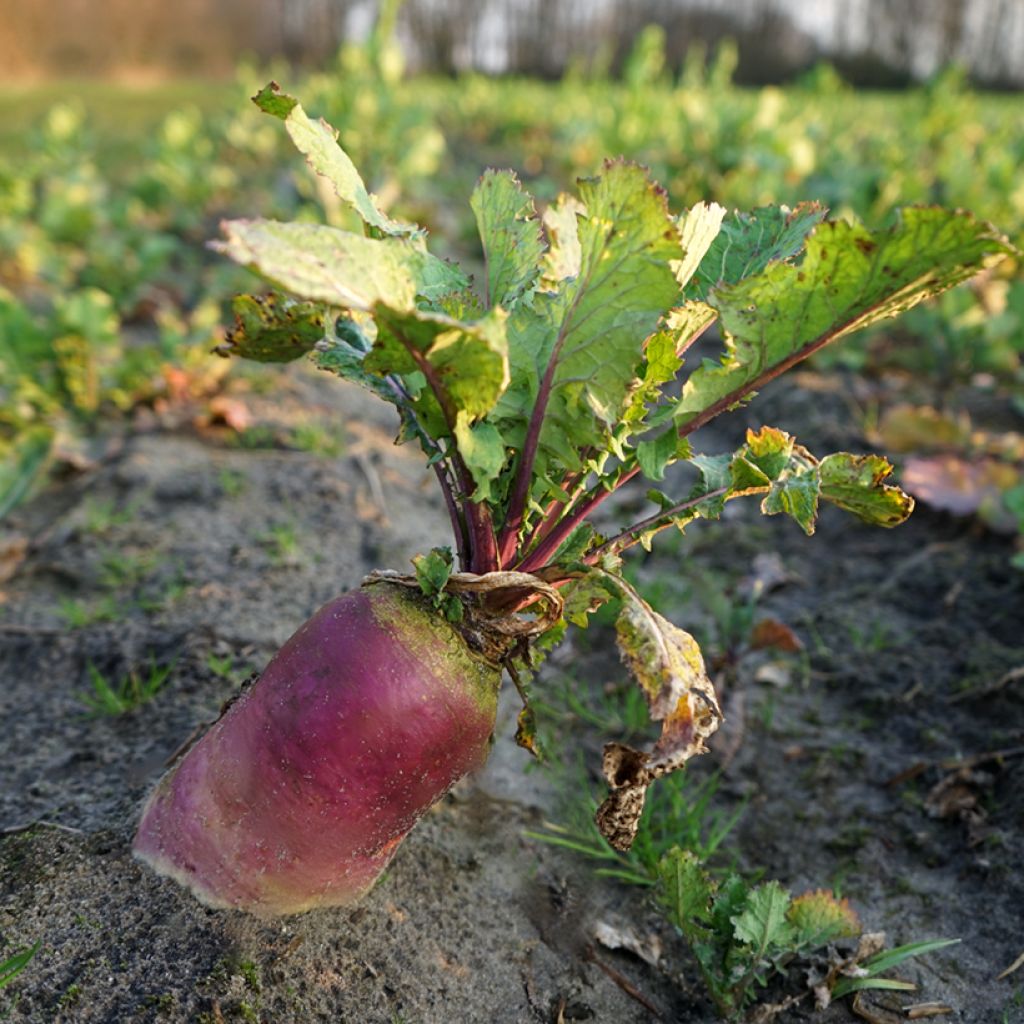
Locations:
column 127, row 135
column 165, row 514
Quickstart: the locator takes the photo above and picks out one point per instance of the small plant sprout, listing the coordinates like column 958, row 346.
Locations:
column 135, row 689
column 16, row 963
column 868, row 973
column 741, row 935
column 13, row 966
column 562, row 378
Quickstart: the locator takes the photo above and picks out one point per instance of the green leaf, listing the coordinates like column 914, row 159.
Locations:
column 845, row 986
column 587, row 333
column 885, row 961
column 655, row 456
column 21, row 464
column 847, row 279
column 856, row 483
column 730, row 899
column 467, row 362
column 715, row 473
column 433, row 571
column 317, row 141
column 272, row 328
column 746, row 243
column 14, row 965
column 576, row 545
column 685, row 890
column 890, row 958
column 511, row 235
column 762, row 923
column 768, row 451
column 819, row 918
column 345, row 352
column 795, row 492
column 483, row 451
column 326, row 264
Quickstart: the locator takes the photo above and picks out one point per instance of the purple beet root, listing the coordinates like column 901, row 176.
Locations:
column 298, row 796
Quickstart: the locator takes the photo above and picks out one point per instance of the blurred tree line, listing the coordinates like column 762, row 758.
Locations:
column 872, row 42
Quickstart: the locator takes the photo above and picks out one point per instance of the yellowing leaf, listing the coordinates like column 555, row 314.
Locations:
column 856, row 483
column 318, row 143
column 666, row 664
column 819, row 918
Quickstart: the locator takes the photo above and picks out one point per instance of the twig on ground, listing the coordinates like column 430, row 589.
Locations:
column 921, row 1010
column 14, row 830
column 986, row 691
column 376, row 488
column 17, row 629
column 624, row 983
column 1015, row 966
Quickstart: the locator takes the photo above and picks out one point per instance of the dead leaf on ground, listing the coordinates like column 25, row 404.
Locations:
column 774, row 673
column 958, row 795
column 962, row 487
column 622, row 935
column 1015, row 966
column 922, row 1011
column 232, row 412
column 767, row 573
column 773, row 633
column 13, row 549
column 920, row 428
column 878, row 1007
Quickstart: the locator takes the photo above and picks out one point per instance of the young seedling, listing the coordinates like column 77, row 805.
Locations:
column 534, row 399
column 741, row 935
column 135, row 689
column 13, row 966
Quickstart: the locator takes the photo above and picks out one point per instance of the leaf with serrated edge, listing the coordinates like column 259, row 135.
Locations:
column 762, row 923
column 663, row 352
column 324, row 263
column 666, row 664
column 317, row 141
column 654, row 456
column 483, row 452
column 847, row 279
column 795, row 492
column 433, row 570
column 272, row 328
column 685, row 890
column 468, row 361
column 856, row 483
column 818, row 918
column 589, row 331
column 746, row 243
column 511, row 235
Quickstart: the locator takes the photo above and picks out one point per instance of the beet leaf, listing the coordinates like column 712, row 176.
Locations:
column 567, row 374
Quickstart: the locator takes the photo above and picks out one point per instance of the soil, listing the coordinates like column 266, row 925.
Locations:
column 867, row 764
